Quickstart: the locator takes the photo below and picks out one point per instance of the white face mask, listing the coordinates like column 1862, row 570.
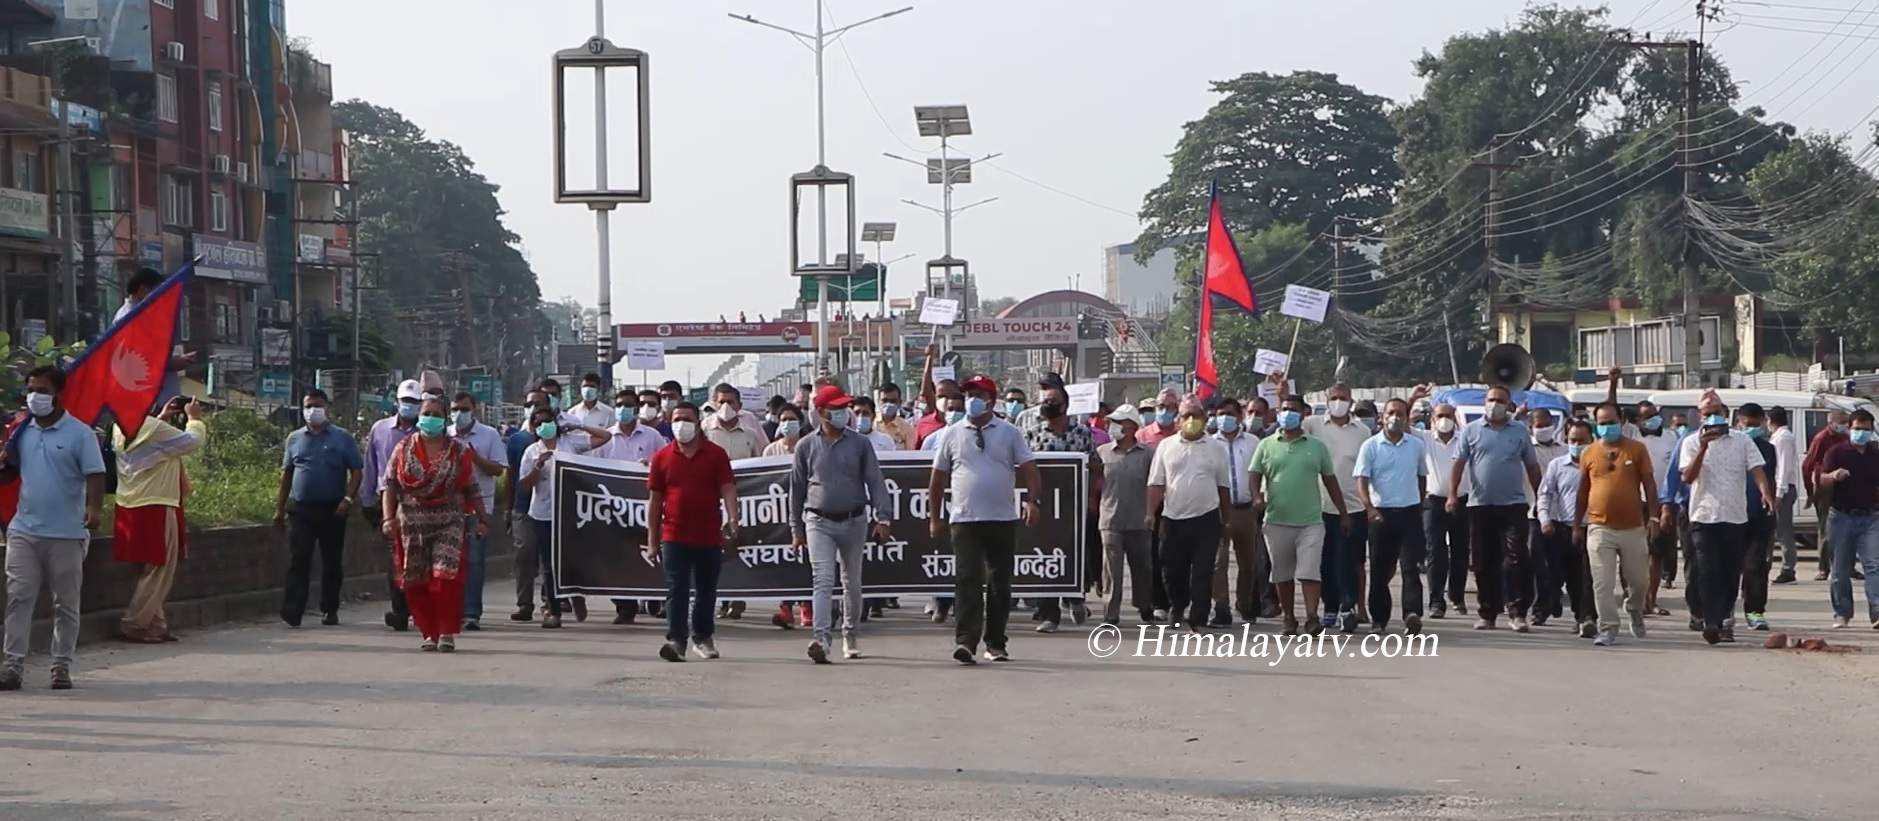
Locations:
column 1338, row 408
column 315, row 416
column 1444, row 424
column 685, row 431
column 726, row 413
column 1497, row 411
column 648, row 413
column 1546, row 435
column 39, row 403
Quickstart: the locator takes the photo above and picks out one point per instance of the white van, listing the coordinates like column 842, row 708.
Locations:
column 1807, row 411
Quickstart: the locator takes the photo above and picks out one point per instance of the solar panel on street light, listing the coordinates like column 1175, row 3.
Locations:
column 878, row 231
column 942, row 120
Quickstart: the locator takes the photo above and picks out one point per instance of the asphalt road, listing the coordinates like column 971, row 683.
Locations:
column 262, row 722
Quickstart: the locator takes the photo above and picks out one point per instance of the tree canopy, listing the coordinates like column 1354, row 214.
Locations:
column 435, row 222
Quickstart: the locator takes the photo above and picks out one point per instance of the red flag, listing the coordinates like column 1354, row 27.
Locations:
column 1205, row 376
column 122, row 372
column 1224, row 275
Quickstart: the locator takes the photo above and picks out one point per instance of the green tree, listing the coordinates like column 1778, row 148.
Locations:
column 1817, row 208
column 1299, row 148
column 429, row 214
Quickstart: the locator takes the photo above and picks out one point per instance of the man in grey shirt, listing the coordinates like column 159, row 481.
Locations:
column 982, row 459
column 835, row 480
column 1123, row 515
column 1496, row 455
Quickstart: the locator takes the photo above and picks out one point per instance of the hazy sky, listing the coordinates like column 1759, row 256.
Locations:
column 1086, row 97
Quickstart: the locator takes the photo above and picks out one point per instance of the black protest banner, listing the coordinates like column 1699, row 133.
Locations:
column 600, row 533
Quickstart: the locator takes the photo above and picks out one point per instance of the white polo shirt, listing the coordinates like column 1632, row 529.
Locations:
column 1719, row 495
column 1191, row 472
column 1343, row 441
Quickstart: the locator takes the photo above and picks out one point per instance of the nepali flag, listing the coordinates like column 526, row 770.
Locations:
column 123, row 371
column 1223, row 276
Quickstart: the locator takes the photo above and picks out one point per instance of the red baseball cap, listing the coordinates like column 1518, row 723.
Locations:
column 832, row 396
column 980, row 383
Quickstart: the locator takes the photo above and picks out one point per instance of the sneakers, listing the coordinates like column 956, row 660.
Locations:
column 1637, row 625
column 818, row 653
column 1079, row 613
column 1538, row 620
column 1757, row 621
column 1521, row 625
column 10, row 678
column 329, row 619
column 472, row 624
column 963, row 655
column 704, row 649
column 1047, row 627
column 551, row 621
column 1437, row 610
column 61, row 678
column 447, row 644
column 1841, row 622
column 1484, row 623
column 1606, row 638
column 1712, row 635
column 1412, row 624
column 397, row 622
column 1588, row 629
column 525, row 612
column 1786, row 577
column 996, row 654
column 850, row 650
column 1346, row 622
column 672, row 651
column 429, row 646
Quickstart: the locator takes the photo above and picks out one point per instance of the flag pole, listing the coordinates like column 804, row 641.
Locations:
column 1297, row 325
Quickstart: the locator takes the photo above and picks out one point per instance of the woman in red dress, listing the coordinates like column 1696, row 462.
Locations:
column 430, row 483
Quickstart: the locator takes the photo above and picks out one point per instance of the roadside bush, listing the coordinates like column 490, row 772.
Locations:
column 233, row 481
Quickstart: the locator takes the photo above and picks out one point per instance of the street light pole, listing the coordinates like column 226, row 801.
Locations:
column 603, row 213
column 818, row 44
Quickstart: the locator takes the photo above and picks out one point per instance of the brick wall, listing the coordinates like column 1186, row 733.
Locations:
column 234, row 574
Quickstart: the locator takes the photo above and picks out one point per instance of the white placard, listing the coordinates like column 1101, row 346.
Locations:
column 1270, row 392
column 942, row 373
column 1085, row 398
column 1270, row 361
column 753, row 398
column 1308, row 304
column 81, row 9
column 936, row 311
column 645, row 356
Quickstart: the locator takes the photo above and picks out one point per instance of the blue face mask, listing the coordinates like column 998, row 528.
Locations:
column 1289, row 420
column 864, row 425
column 1229, row 424
column 1165, row 416
column 554, row 401
column 431, row 425
column 1715, row 421
column 407, row 410
column 1609, row 433
column 953, row 417
column 1862, row 437
column 1754, row 433
column 839, row 418
column 624, row 414
column 546, row 430
column 589, row 393
column 1654, row 423
column 890, row 409
column 1574, row 451
column 788, row 427
column 1012, row 408
column 1421, row 425
column 1683, row 430
column 976, row 407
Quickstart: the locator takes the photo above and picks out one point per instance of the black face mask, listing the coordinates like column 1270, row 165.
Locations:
column 1051, row 410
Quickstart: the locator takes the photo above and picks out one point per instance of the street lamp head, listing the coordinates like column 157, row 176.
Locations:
column 958, row 168
column 942, row 120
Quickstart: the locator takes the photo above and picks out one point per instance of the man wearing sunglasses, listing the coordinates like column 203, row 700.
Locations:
column 981, row 459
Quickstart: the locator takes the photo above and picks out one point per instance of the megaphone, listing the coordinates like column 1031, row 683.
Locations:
column 1507, row 366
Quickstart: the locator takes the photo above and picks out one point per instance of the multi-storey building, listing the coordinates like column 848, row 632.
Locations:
column 194, row 129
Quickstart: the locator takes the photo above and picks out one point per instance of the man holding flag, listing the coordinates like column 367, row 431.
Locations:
column 60, row 468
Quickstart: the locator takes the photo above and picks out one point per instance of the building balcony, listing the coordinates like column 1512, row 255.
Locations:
column 25, row 100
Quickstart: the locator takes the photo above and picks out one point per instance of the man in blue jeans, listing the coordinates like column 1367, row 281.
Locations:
column 691, row 518
column 490, row 454
column 1849, row 476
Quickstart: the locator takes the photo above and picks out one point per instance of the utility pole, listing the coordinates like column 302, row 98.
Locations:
column 1491, row 237
column 1692, row 275
column 1337, row 280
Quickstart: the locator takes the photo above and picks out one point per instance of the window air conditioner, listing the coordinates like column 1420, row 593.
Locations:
column 241, row 172
column 173, row 50
column 222, row 163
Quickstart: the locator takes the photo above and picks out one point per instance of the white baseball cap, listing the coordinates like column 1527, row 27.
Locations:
column 410, row 389
column 1126, row 413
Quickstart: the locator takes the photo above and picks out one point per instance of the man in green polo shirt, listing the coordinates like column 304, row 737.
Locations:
column 1286, row 472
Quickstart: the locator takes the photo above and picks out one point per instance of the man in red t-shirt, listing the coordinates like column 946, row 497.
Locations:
column 691, row 516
